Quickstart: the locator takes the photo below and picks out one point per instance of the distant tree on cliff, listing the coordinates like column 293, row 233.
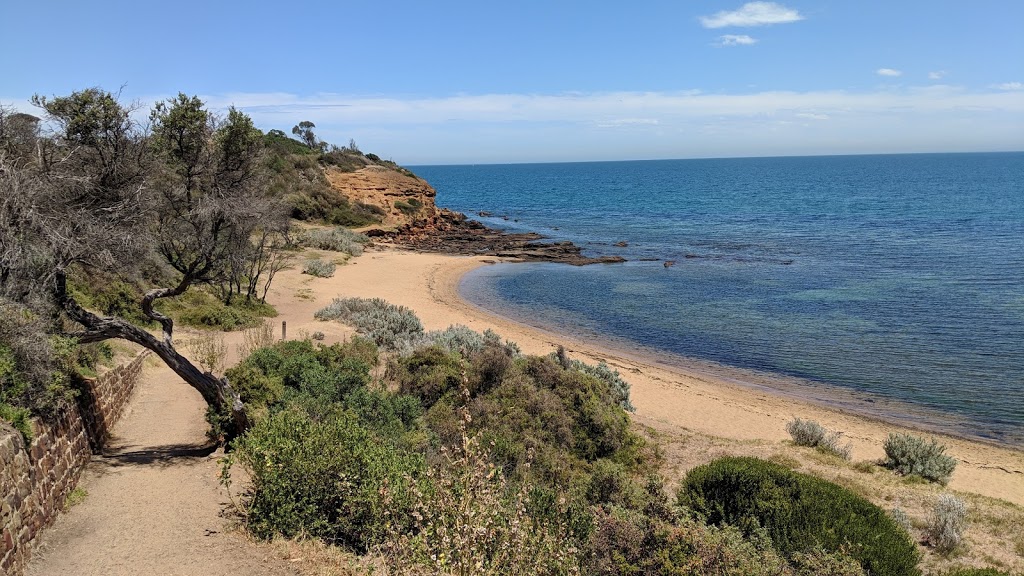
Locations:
column 304, row 130
column 97, row 193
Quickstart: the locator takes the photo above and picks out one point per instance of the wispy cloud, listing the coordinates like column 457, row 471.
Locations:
column 605, row 108
column 937, row 75
column 618, row 125
column 1010, row 86
column 888, row 72
column 627, row 122
column 752, row 14
column 735, row 40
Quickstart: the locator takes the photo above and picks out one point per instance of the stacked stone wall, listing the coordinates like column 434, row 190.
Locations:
column 35, row 480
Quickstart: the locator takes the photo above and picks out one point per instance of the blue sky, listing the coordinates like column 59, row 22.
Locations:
column 473, row 82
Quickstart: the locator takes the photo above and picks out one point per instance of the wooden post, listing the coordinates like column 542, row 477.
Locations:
column 284, row 330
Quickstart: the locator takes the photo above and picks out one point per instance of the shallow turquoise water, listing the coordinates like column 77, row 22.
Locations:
column 894, row 277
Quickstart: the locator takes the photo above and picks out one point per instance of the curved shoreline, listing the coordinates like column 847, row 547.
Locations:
column 879, row 408
column 669, row 399
column 732, row 408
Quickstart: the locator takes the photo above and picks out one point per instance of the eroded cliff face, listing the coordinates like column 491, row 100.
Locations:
column 405, row 200
column 413, row 220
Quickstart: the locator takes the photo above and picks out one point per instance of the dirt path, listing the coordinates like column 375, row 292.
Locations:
column 154, row 502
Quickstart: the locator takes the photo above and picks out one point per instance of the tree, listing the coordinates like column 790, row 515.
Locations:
column 98, row 192
column 304, row 130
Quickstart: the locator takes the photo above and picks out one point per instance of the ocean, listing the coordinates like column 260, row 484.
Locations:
column 891, row 285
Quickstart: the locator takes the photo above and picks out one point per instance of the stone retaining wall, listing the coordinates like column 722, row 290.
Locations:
column 35, row 482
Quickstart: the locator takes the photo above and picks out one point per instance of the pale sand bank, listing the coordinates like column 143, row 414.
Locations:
column 667, row 398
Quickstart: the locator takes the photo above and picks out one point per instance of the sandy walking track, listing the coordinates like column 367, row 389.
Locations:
column 154, row 500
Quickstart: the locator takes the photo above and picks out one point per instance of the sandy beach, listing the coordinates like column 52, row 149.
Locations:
column 676, row 402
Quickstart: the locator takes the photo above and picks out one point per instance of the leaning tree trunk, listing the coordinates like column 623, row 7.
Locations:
column 216, row 391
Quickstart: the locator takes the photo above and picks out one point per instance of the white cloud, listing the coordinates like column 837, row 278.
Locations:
column 548, row 127
column 1010, row 86
column 602, row 108
column 626, row 122
column 937, row 75
column 752, row 14
column 736, row 40
column 888, row 72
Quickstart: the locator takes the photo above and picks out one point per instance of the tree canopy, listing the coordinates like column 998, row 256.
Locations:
column 87, row 188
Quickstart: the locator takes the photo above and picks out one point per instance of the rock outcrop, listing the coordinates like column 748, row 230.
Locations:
column 413, row 220
column 405, row 199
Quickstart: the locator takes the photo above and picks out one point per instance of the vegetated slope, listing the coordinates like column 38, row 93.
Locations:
column 345, row 186
column 402, row 198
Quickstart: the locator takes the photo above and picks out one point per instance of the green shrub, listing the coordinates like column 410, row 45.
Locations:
column 810, row 433
column 89, row 357
column 35, row 367
column 109, row 297
column 201, row 309
column 390, row 414
column 800, row 513
column 913, row 455
column 18, row 417
column 409, row 207
column 430, row 374
column 328, row 478
column 303, row 372
column 319, row 268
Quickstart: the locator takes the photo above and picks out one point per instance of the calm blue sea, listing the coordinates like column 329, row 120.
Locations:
column 894, row 281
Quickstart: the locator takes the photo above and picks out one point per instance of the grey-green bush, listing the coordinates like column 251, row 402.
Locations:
column 946, row 526
column 389, row 326
column 319, row 268
column 908, row 454
column 336, row 239
column 810, row 433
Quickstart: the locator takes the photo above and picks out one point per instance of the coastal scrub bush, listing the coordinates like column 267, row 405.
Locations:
column 336, row 239
column 408, row 207
column 455, row 338
column 810, row 433
column 946, row 527
column 388, row 325
column 319, row 268
column 326, row 477
column 618, row 386
column 901, row 518
column 256, row 337
column 430, row 374
column 471, row 520
column 208, row 350
column 799, row 513
column 971, row 571
column 301, row 371
column 35, row 368
column 201, row 309
column 913, row 455
column 628, row 542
